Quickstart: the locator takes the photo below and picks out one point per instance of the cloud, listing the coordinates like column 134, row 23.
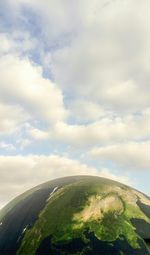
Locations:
column 27, row 98
column 19, row 173
column 37, row 134
column 7, row 146
column 134, row 155
column 6, row 44
column 108, row 62
column 107, row 130
column 101, row 55
column 28, row 86
column 57, row 15
column 17, row 42
column 86, row 111
column 22, row 84
column 12, row 118
column 23, row 143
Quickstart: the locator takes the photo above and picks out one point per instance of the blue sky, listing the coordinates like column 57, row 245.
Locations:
column 74, row 92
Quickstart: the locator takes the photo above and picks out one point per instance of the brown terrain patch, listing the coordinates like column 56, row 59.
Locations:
column 98, row 206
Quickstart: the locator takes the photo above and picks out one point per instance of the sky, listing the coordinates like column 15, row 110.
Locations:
column 74, row 92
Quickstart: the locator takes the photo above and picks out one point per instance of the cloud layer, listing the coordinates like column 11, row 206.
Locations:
column 130, row 155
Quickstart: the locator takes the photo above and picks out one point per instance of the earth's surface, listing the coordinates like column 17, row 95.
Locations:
column 77, row 215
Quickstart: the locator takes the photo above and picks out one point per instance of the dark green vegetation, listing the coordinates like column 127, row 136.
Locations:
column 77, row 215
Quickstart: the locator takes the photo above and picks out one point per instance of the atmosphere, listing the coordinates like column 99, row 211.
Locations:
column 74, row 92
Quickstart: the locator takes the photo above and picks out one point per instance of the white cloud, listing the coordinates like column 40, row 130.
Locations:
column 18, row 173
column 25, row 95
column 7, row 146
column 17, row 43
column 108, row 61
column 22, row 83
column 86, row 111
column 98, row 49
column 6, row 44
column 12, row 118
column 63, row 18
column 23, row 143
column 129, row 155
column 37, row 134
column 107, row 130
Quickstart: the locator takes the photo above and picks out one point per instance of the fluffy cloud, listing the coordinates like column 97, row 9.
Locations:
column 102, row 54
column 19, row 173
column 129, row 155
column 6, row 44
column 86, row 111
column 108, row 60
column 56, row 15
column 12, row 118
column 107, row 130
column 21, row 82
column 22, row 85
column 37, row 134
column 7, row 146
column 17, row 43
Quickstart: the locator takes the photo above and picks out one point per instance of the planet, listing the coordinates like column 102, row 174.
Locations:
column 78, row 215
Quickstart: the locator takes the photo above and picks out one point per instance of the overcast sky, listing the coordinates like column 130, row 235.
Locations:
column 74, row 92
